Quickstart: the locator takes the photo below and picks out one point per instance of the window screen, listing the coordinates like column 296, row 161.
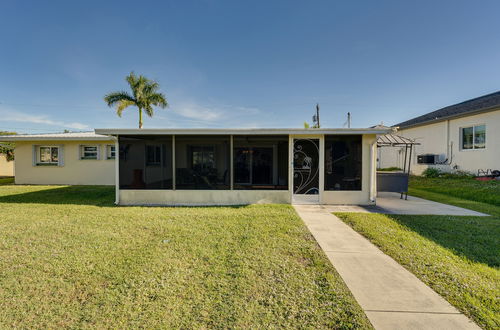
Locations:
column 202, row 162
column 146, row 162
column 260, row 162
column 343, row 162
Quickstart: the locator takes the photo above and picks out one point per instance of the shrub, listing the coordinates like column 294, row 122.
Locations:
column 431, row 172
column 389, row 169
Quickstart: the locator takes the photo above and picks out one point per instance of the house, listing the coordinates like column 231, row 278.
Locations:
column 65, row 158
column 6, row 166
column 210, row 166
column 464, row 136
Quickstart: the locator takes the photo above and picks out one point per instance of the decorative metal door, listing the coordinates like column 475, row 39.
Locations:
column 306, row 166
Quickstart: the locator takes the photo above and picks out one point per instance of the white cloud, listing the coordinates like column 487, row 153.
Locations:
column 17, row 116
column 193, row 113
column 193, row 110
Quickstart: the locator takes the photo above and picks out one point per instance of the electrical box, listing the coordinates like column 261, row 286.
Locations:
column 427, row 159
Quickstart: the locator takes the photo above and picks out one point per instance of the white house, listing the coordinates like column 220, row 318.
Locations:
column 464, row 136
column 208, row 166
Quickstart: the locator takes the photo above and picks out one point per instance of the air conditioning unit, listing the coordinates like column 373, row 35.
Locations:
column 427, row 159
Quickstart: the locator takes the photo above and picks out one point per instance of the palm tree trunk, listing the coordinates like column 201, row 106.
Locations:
column 140, row 118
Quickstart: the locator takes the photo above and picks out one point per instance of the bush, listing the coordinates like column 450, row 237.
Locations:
column 389, row 169
column 431, row 172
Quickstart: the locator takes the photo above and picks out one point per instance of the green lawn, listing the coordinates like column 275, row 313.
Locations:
column 4, row 180
column 69, row 258
column 459, row 257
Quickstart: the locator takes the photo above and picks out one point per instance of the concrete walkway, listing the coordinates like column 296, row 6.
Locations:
column 391, row 296
column 390, row 203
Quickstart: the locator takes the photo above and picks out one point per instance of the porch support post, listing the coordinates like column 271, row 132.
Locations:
column 321, row 168
column 231, row 165
column 117, row 171
column 290, row 166
column 173, row 162
column 373, row 171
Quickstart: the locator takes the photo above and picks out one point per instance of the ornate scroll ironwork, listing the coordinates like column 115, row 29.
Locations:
column 306, row 166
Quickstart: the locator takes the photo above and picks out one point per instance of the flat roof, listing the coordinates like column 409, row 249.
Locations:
column 240, row 131
column 73, row 136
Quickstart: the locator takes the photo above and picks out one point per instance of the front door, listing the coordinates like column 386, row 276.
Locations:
column 305, row 170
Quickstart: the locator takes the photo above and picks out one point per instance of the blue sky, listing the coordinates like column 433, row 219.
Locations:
column 243, row 63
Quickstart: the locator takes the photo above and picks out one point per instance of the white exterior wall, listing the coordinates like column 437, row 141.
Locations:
column 202, row 197
column 444, row 139
column 6, row 167
column 74, row 170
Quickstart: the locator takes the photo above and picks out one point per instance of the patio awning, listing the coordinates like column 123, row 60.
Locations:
column 393, row 140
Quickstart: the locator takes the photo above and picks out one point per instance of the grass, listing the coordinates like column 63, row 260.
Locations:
column 459, row 257
column 6, row 180
column 69, row 258
column 389, row 169
column 482, row 196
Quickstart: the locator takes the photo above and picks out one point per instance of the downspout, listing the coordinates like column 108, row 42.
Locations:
column 373, row 171
column 117, row 172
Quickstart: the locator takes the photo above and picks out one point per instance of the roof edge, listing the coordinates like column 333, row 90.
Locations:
column 459, row 115
column 240, row 131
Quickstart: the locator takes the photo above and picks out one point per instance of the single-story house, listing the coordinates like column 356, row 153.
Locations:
column 209, row 166
column 64, row 158
column 6, row 166
column 464, row 136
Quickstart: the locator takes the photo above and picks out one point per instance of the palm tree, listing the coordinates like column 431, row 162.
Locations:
column 144, row 96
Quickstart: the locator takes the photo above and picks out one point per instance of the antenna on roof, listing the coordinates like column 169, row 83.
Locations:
column 316, row 117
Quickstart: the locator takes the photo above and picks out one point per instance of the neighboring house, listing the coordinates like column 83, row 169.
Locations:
column 65, row 158
column 6, row 166
column 208, row 166
column 464, row 136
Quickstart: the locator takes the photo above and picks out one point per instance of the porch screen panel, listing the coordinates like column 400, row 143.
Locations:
column 343, row 162
column 260, row 162
column 145, row 162
column 202, row 162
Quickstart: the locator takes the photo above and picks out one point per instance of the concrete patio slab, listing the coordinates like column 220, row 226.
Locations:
column 391, row 203
column 391, row 296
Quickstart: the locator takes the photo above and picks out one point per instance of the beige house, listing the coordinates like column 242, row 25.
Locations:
column 208, row 166
column 6, row 166
column 65, row 158
column 464, row 136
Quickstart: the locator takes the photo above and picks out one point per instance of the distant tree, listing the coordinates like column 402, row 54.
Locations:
column 7, row 148
column 144, row 96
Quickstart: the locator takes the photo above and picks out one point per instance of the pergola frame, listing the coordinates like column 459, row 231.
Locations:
column 393, row 140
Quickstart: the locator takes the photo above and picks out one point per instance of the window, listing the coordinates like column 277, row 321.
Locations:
column 343, row 162
column 202, row 162
column 89, row 152
column 474, row 137
column 260, row 162
column 48, row 156
column 110, row 151
column 145, row 162
column 153, row 155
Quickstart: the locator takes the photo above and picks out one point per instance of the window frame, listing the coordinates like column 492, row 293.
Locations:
column 39, row 161
column 109, row 151
column 474, row 148
column 82, row 151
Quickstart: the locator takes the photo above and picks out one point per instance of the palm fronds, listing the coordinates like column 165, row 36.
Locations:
column 144, row 96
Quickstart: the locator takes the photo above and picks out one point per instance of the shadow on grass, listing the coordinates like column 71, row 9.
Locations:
column 77, row 195
column 103, row 196
column 476, row 238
